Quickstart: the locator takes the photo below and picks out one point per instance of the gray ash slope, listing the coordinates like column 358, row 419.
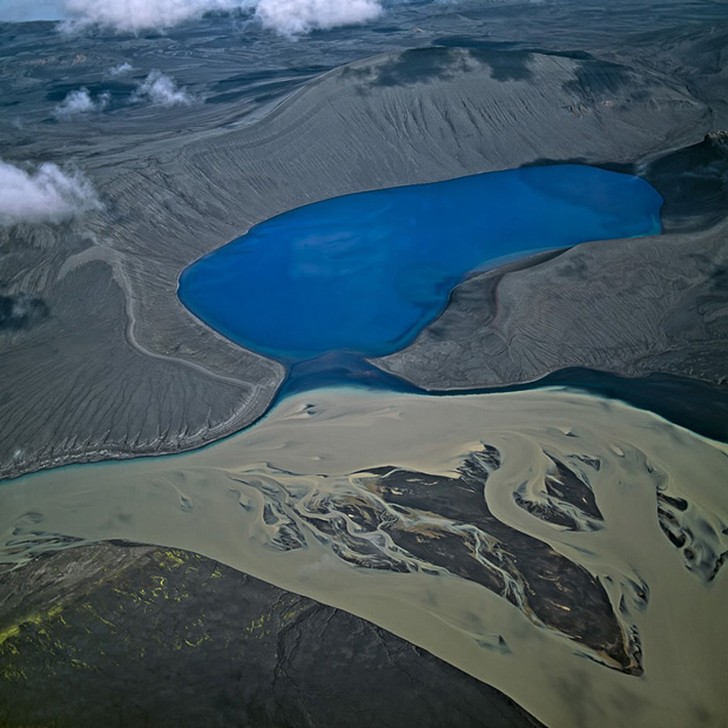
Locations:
column 119, row 368
column 631, row 308
column 627, row 309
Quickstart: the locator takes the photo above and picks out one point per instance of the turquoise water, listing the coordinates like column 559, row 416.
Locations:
column 364, row 273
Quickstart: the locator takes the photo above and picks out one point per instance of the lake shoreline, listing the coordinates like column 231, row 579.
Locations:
column 135, row 374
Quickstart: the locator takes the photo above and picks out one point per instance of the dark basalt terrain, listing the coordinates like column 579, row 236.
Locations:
column 442, row 523
column 114, row 634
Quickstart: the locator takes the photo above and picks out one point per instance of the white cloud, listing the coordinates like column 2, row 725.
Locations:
column 288, row 17
column 121, row 70
column 161, row 90
column 79, row 102
column 291, row 17
column 136, row 15
column 46, row 194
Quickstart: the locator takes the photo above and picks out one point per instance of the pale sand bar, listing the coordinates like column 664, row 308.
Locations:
column 236, row 500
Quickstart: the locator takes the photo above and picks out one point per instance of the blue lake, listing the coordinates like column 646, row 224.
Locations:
column 364, row 273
